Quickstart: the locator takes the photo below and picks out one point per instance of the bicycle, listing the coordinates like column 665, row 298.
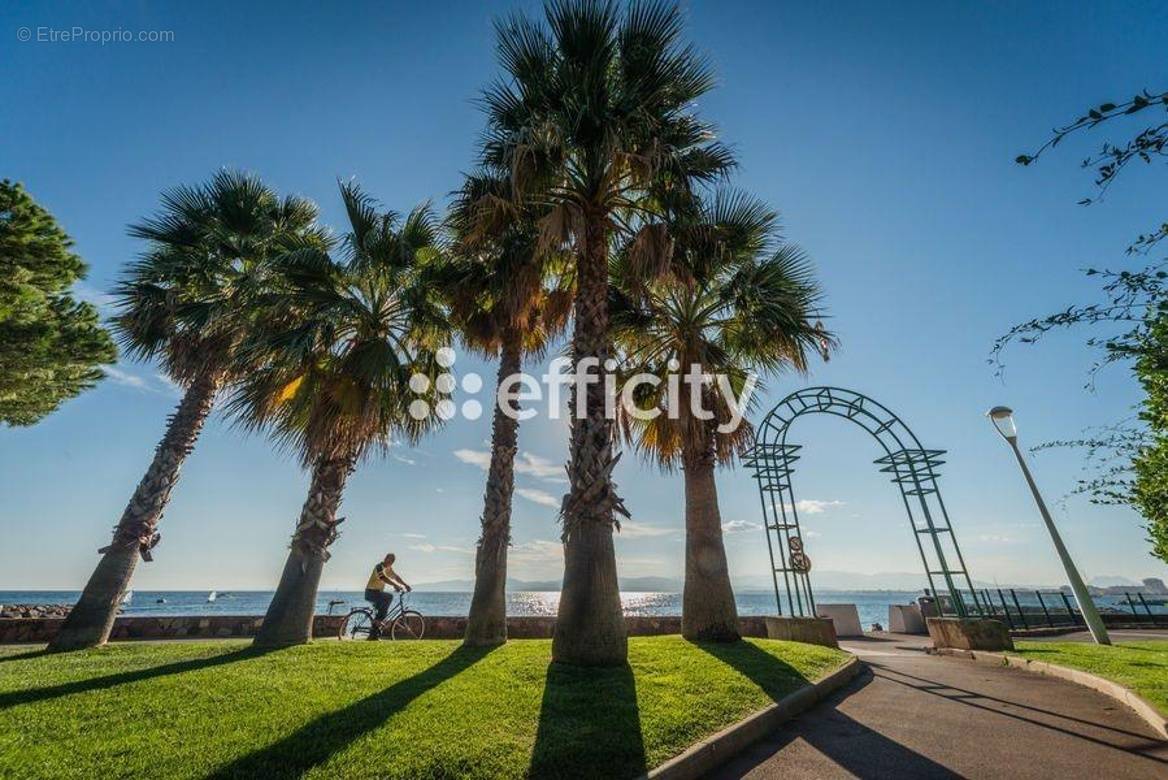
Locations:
column 402, row 622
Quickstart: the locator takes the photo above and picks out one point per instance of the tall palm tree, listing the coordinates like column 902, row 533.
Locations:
column 186, row 302
column 507, row 300
column 594, row 120
column 330, row 364
column 737, row 306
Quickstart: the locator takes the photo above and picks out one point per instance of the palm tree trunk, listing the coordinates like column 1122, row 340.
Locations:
column 590, row 628
column 289, row 617
column 487, row 624
column 707, row 605
column 89, row 622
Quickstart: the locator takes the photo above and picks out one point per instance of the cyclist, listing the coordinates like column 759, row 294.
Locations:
column 382, row 575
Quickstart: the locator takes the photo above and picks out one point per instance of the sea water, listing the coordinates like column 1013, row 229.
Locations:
column 872, row 605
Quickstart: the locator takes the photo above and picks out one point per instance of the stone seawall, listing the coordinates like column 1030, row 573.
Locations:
column 40, row 630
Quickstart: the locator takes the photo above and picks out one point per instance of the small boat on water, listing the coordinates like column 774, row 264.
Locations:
column 127, row 597
column 212, row 596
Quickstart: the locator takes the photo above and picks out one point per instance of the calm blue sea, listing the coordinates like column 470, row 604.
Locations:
column 872, row 605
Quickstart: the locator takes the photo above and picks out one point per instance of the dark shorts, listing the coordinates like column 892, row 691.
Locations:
column 379, row 599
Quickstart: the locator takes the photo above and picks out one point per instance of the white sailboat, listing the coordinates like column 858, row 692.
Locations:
column 127, row 597
column 212, row 596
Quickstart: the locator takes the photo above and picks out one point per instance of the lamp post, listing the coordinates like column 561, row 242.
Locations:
column 1003, row 420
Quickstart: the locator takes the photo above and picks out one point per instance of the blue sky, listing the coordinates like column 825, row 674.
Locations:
column 883, row 132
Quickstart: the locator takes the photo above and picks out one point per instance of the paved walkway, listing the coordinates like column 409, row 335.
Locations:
column 915, row 715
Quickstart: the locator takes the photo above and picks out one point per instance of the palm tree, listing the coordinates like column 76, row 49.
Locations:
column 330, row 364
column 737, row 307
column 594, row 121
column 507, row 300
column 185, row 303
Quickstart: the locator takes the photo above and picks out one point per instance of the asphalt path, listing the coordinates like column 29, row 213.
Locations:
column 914, row 715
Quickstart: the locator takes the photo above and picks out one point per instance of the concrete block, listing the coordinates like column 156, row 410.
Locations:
column 906, row 619
column 845, row 617
column 969, row 633
column 814, row 631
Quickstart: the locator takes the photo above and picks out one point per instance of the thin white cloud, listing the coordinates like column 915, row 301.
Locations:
column 125, row 378
column 157, row 383
column 426, row 547
column 541, row 497
column 474, row 457
column 540, row 468
column 525, row 463
column 104, row 302
column 537, row 551
column 813, row 506
column 414, row 536
column 171, row 386
column 740, row 526
column 403, row 459
column 630, row 529
column 996, row 539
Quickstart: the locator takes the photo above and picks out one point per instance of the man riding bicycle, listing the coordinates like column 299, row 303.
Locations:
column 382, row 575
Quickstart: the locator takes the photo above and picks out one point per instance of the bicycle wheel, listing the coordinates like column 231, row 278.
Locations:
column 356, row 625
column 409, row 625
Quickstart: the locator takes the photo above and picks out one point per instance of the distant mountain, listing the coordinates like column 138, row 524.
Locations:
column 825, row 580
column 1111, row 581
column 458, row 586
column 844, row 580
column 651, row 584
column 666, row 584
column 820, row 580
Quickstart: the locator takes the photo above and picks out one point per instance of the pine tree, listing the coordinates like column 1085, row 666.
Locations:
column 52, row 346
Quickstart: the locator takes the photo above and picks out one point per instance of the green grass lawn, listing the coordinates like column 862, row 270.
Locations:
column 360, row 709
column 1139, row 666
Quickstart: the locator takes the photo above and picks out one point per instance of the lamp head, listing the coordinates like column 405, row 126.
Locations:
column 1003, row 419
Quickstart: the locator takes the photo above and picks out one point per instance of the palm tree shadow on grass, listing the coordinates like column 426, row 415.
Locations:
column 847, row 742
column 24, row 656
column 31, row 695
column 589, row 724
column 315, row 742
column 776, row 677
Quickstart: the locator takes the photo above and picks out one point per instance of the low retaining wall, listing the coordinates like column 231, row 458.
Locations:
column 812, row 630
column 969, row 633
column 40, row 630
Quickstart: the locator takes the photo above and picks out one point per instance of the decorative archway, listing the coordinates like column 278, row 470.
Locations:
column 912, row 468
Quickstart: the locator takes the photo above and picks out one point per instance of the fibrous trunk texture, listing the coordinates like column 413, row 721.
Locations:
column 487, row 624
column 708, row 611
column 289, row 617
column 91, row 619
column 590, row 627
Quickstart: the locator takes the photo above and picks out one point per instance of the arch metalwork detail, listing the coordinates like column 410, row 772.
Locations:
column 912, row 468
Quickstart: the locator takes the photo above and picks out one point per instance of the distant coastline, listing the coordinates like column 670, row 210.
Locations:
column 872, row 605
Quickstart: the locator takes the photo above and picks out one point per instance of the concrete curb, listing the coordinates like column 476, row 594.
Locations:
column 1142, row 707
column 719, row 748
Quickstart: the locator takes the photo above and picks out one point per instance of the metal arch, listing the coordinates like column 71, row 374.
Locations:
column 912, row 468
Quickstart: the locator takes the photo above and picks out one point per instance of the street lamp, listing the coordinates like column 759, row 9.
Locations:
column 1003, row 420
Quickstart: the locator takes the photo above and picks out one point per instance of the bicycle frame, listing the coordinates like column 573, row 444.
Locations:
column 396, row 611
